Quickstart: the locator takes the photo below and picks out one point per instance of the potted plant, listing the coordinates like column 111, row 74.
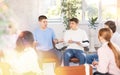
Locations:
column 69, row 10
column 93, row 23
column 92, row 26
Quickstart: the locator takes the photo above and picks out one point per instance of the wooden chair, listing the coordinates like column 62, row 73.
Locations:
column 47, row 61
column 48, row 66
column 74, row 60
column 74, row 70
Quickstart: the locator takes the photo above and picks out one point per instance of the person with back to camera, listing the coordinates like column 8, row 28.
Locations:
column 23, row 60
column 45, row 40
column 77, row 39
column 115, row 35
column 108, row 55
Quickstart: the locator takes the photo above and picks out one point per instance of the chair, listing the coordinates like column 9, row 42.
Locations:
column 74, row 70
column 48, row 66
column 74, row 60
column 49, row 61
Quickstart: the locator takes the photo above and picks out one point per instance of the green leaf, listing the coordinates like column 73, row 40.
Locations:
column 70, row 9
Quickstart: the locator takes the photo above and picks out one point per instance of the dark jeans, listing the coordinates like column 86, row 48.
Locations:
column 91, row 57
column 53, row 53
column 69, row 53
column 98, row 73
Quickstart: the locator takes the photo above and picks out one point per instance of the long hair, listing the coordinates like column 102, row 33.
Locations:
column 106, row 34
column 25, row 38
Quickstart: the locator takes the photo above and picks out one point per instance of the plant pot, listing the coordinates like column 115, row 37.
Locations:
column 92, row 33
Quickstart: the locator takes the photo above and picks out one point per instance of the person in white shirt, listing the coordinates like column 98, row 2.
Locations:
column 77, row 39
column 115, row 36
column 108, row 55
column 24, row 58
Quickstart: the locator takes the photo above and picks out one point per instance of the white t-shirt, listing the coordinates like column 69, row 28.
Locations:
column 78, row 36
column 116, row 39
column 26, row 61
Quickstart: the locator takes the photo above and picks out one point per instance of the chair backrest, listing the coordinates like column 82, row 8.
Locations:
column 73, row 70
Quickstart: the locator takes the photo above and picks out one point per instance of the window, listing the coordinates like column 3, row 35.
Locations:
column 54, row 9
column 109, row 9
column 91, row 8
column 104, row 9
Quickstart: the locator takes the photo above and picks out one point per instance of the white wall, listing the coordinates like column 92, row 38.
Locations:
column 25, row 12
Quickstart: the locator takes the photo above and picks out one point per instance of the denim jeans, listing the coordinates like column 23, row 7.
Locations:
column 91, row 57
column 69, row 53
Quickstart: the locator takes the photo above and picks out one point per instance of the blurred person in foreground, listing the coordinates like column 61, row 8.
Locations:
column 23, row 60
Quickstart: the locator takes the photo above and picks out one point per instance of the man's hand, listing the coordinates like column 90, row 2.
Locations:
column 55, row 41
column 61, row 40
column 94, row 63
column 71, row 41
column 78, row 43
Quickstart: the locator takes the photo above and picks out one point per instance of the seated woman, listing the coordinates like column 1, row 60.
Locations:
column 108, row 55
column 24, row 60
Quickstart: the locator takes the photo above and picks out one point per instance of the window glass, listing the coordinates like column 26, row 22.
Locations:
column 91, row 8
column 109, row 9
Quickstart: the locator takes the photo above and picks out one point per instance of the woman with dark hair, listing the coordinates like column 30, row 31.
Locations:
column 24, row 59
column 108, row 55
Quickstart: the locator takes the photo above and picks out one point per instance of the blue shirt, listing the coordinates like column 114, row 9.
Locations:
column 44, row 38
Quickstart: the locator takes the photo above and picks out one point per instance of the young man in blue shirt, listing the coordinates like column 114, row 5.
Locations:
column 45, row 40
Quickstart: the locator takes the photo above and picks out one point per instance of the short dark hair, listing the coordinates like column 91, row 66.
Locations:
column 75, row 20
column 41, row 17
column 111, row 25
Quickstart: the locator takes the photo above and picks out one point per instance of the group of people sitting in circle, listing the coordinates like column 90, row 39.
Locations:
column 32, row 47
